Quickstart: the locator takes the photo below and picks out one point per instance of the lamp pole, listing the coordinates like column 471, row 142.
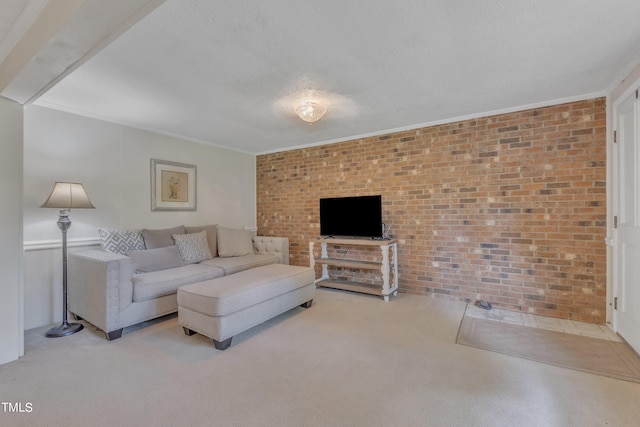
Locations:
column 66, row 328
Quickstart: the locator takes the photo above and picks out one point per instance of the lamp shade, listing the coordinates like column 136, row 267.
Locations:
column 68, row 195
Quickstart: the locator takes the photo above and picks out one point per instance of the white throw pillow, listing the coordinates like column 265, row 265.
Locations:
column 234, row 242
column 193, row 247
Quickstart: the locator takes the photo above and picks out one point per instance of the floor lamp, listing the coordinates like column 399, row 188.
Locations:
column 66, row 196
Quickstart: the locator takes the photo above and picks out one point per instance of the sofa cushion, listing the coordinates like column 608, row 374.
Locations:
column 154, row 239
column 155, row 259
column 119, row 241
column 147, row 286
column 232, row 265
column 234, row 242
column 193, row 247
column 229, row 294
column 212, row 236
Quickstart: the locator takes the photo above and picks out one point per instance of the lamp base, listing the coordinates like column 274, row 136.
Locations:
column 64, row 330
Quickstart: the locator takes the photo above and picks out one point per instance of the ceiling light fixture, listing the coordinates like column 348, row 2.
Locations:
column 310, row 111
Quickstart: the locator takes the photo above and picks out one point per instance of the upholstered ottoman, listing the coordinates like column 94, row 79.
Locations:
column 223, row 307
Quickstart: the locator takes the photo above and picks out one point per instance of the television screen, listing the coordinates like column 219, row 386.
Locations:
column 359, row 216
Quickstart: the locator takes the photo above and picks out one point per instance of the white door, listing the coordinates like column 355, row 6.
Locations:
column 626, row 200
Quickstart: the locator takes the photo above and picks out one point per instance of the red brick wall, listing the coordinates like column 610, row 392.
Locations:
column 508, row 208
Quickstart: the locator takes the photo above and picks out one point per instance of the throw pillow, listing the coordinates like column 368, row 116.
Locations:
column 212, row 236
column 234, row 242
column 193, row 247
column 120, row 241
column 155, row 259
column 160, row 238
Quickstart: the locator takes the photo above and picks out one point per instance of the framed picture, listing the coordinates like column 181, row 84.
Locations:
column 173, row 186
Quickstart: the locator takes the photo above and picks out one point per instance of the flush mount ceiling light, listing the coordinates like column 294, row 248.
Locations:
column 310, row 111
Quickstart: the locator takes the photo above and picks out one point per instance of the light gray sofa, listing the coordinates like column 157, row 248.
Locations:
column 136, row 274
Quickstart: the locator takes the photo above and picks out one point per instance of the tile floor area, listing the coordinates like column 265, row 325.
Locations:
column 543, row 322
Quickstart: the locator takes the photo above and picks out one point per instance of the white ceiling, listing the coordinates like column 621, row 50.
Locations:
column 226, row 72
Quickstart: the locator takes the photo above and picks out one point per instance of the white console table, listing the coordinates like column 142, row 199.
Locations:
column 388, row 265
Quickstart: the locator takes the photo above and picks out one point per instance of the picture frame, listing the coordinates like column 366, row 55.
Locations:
column 173, row 186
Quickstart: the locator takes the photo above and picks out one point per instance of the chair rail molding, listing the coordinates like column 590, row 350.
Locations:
column 38, row 245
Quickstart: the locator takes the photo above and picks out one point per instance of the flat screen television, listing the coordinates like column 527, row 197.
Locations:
column 359, row 216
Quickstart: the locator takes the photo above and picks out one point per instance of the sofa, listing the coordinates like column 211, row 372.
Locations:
column 135, row 275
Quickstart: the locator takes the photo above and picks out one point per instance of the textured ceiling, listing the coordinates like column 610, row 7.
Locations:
column 226, row 72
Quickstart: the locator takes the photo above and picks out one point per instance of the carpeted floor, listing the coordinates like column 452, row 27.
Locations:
column 349, row 360
column 596, row 356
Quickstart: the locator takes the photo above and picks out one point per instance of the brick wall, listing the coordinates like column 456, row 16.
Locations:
column 508, row 208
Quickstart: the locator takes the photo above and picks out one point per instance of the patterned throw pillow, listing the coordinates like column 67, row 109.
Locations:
column 120, row 241
column 193, row 247
column 212, row 236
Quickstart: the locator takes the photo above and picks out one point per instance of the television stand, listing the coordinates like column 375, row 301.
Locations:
column 388, row 266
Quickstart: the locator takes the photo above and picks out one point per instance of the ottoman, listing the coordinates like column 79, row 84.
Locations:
column 223, row 307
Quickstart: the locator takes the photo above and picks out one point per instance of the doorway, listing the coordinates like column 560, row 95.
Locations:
column 626, row 219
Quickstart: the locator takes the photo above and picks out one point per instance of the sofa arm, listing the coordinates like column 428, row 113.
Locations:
column 100, row 287
column 278, row 246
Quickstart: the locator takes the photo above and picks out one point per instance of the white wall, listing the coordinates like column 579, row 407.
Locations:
column 11, row 319
column 113, row 163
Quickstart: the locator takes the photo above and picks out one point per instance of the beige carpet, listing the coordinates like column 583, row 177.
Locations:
column 596, row 356
column 349, row 360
